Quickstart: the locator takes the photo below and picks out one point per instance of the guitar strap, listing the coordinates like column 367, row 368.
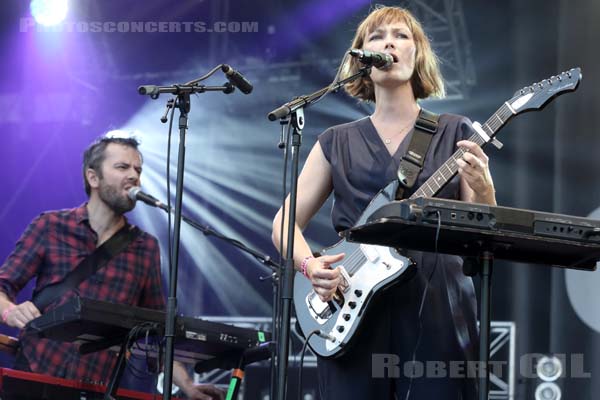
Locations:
column 412, row 162
column 88, row 266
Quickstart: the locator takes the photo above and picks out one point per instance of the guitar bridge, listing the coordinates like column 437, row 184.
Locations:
column 320, row 310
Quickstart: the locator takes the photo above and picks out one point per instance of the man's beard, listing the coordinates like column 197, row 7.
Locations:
column 110, row 195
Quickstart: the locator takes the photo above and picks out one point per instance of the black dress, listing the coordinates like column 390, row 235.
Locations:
column 361, row 166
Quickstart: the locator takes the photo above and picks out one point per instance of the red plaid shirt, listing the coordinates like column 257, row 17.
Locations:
column 52, row 246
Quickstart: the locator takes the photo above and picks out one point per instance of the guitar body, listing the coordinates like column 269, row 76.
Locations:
column 371, row 270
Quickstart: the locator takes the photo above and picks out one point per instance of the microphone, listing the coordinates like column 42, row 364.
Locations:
column 373, row 58
column 151, row 90
column 135, row 193
column 237, row 79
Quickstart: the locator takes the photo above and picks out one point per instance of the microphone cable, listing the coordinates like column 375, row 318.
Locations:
column 169, row 220
column 207, row 75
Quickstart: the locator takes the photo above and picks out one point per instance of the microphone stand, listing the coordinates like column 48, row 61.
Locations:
column 183, row 103
column 208, row 231
column 295, row 111
column 276, row 279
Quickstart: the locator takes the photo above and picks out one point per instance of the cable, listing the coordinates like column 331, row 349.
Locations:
column 333, row 83
column 284, row 190
column 208, row 74
column 169, row 221
column 304, row 347
column 424, row 296
column 159, row 353
column 145, row 329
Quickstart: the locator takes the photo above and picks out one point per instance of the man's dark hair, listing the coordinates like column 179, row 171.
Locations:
column 94, row 155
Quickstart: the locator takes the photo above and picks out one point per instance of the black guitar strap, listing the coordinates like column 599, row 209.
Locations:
column 88, row 266
column 412, row 162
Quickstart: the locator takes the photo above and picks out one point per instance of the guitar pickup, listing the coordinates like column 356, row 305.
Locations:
column 370, row 252
column 320, row 310
column 345, row 279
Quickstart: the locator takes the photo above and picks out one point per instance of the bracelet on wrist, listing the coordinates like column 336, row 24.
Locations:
column 304, row 265
column 6, row 311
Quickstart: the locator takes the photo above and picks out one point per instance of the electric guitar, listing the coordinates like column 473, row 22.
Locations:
column 370, row 269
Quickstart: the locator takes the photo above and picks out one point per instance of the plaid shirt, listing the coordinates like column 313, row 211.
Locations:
column 52, row 246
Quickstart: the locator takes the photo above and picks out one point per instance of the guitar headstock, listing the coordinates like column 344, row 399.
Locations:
column 536, row 96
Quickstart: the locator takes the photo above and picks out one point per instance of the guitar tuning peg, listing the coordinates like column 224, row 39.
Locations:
column 569, row 74
column 560, row 77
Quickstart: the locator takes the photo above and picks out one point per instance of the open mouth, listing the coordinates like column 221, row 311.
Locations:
column 394, row 57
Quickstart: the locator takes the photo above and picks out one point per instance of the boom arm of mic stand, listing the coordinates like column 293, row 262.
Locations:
column 154, row 91
column 264, row 259
column 305, row 101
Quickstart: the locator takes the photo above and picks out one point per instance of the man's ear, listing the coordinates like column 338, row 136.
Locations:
column 92, row 178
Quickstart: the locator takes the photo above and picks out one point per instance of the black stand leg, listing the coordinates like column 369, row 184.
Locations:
column 115, row 377
column 487, row 259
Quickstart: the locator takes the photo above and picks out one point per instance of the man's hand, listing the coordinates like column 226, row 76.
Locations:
column 194, row 391
column 18, row 316
column 197, row 391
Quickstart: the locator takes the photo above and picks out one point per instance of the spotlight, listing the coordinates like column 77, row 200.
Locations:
column 49, row 12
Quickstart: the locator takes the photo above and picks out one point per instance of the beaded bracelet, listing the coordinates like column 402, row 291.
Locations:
column 6, row 311
column 304, row 265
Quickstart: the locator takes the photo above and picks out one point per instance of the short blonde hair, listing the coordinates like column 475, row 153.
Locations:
column 426, row 79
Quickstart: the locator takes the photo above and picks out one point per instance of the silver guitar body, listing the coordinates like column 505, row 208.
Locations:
column 369, row 269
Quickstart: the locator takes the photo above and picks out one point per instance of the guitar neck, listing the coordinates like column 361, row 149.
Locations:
column 449, row 169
